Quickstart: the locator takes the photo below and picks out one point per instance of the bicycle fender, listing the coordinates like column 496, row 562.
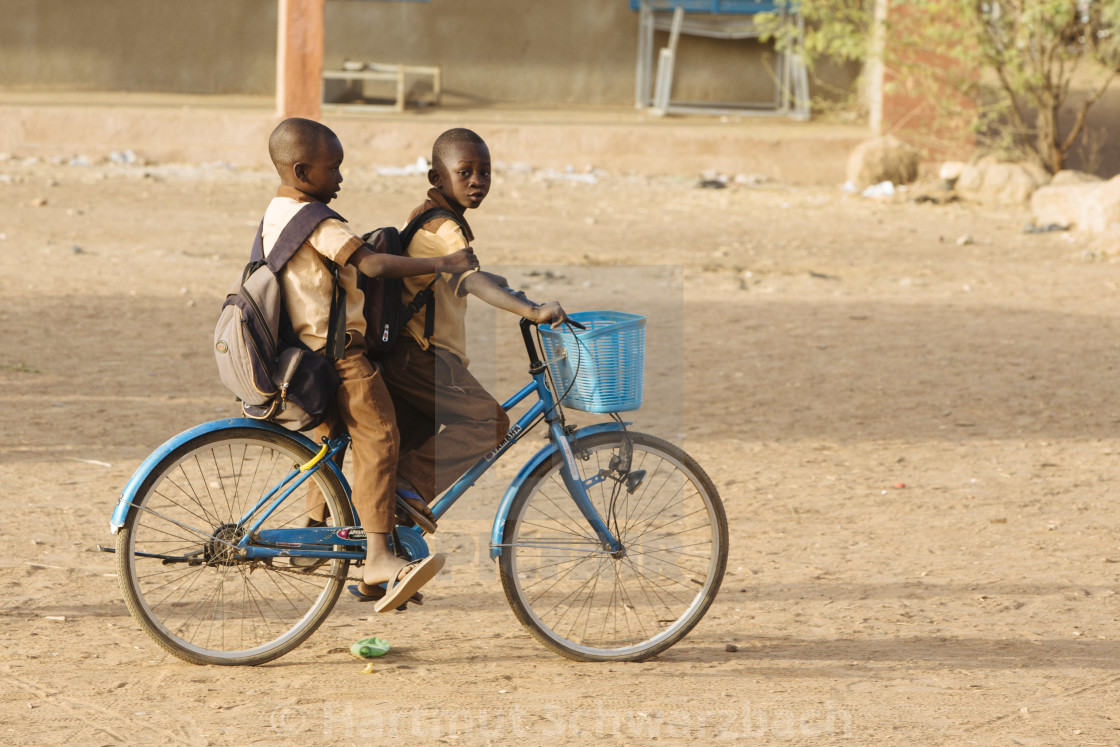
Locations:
column 499, row 527
column 128, row 495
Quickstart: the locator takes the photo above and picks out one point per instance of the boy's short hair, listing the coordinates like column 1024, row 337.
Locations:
column 452, row 137
column 297, row 139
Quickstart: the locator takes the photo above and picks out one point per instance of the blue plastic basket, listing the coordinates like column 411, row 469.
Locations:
column 713, row 6
column 601, row 368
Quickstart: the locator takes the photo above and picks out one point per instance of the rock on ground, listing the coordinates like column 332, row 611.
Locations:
column 1091, row 206
column 883, row 159
column 990, row 181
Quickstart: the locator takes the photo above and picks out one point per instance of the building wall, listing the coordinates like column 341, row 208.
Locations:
column 513, row 51
column 198, row 46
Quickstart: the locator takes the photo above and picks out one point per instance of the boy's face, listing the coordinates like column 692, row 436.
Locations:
column 320, row 176
column 463, row 177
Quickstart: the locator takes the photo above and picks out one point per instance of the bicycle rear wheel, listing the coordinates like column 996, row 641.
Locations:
column 181, row 580
column 582, row 601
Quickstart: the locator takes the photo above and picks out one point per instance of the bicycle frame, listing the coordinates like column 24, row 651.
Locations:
column 297, row 542
column 547, row 408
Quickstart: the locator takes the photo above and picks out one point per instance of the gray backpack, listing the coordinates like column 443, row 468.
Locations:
column 260, row 358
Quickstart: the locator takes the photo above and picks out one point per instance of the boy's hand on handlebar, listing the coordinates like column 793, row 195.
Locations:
column 460, row 261
column 551, row 312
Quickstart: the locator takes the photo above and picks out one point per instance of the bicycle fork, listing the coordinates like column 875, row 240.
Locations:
column 578, row 488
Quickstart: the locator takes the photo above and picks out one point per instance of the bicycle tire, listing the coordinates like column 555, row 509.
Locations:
column 674, row 534
column 216, row 608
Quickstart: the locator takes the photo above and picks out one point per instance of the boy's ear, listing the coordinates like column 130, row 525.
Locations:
column 299, row 170
column 433, row 178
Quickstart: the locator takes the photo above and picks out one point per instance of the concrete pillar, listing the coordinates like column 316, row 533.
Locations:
column 299, row 59
column 873, row 78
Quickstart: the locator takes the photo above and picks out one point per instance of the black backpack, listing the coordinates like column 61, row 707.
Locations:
column 386, row 313
column 260, row 358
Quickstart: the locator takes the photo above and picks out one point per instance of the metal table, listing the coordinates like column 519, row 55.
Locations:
column 382, row 72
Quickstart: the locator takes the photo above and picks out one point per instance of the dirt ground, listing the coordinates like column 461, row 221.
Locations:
column 910, row 411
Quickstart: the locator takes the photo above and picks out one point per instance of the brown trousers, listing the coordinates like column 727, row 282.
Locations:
column 447, row 420
column 363, row 407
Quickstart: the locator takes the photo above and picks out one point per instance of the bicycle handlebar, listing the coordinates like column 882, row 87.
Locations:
column 530, row 346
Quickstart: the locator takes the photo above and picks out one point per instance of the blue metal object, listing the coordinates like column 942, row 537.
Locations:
column 548, row 452
column 128, row 495
column 411, row 539
column 600, row 368
column 412, row 543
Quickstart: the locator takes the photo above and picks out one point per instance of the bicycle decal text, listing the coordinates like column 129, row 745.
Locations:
column 513, row 431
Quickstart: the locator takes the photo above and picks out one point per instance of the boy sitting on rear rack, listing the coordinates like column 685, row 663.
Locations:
column 307, row 156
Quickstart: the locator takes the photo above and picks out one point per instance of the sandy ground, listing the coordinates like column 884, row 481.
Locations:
column 910, row 411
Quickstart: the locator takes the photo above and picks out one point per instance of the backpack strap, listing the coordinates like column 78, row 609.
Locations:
column 336, row 321
column 256, row 254
column 299, row 228
column 426, row 298
column 425, row 218
column 291, row 238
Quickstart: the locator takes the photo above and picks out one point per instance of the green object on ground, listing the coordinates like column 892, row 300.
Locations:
column 369, row 648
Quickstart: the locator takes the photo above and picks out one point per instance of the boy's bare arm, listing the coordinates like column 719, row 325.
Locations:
column 380, row 265
column 482, row 286
column 499, row 280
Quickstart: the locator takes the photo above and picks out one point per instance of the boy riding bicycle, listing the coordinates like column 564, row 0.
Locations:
column 447, row 420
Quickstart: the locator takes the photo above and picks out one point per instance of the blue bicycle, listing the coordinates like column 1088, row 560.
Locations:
column 611, row 544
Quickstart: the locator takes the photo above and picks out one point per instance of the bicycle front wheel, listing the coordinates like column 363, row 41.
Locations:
column 583, row 601
column 178, row 567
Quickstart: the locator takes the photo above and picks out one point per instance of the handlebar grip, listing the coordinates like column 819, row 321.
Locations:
column 525, row 324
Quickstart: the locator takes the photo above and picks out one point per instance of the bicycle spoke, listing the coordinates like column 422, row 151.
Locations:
column 557, row 579
column 192, row 501
column 562, row 503
column 563, row 602
column 556, row 565
column 628, row 604
column 658, row 551
column 190, row 540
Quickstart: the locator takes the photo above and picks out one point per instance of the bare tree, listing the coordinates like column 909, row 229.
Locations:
column 1034, row 48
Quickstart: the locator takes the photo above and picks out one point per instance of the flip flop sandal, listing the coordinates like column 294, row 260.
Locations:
column 412, row 508
column 377, row 591
column 417, row 573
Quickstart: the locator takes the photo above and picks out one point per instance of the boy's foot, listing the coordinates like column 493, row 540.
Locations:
column 413, row 510
column 408, row 580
